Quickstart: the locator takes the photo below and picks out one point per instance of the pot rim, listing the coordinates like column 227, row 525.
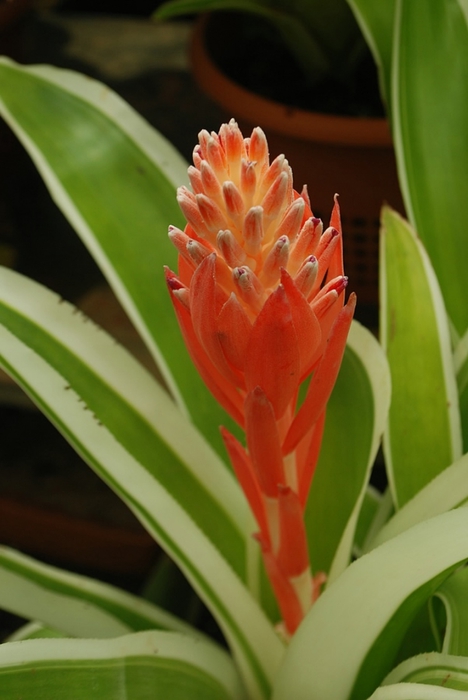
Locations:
column 284, row 119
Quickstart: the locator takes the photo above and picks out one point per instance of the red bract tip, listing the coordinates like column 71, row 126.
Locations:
column 323, row 380
column 172, row 281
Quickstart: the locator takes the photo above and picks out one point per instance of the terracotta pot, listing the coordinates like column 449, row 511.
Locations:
column 351, row 156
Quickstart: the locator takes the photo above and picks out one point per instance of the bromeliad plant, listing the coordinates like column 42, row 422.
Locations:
column 266, row 334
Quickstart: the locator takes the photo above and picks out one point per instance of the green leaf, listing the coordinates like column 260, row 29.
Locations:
column 124, row 397
column 430, row 113
column 416, row 691
column 141, row 666
column 376, row 20
column 349, row 640
column 253, row 641
column 75, row 605
column 370, row 507
column 356, row 416
column 447, row 670
column 452, row 593
column 34, row 630
column 460, row 359
column 446, row 491
column 423, row 435
column 114, row 178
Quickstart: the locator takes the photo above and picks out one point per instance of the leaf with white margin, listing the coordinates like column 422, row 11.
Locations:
column 76, row 605
column 114, row 177
column 132, row 405
column 460, row 358
column 356, row 416
column 140, row 666
column 447, row 670
column 446, row 491
column 371, row 505
column 423, row 435
column 430, row 56
column 254, row 643
column 417, row 691
column 382, row 516
column 34, row 630
column 347, row 643
column 452, row 593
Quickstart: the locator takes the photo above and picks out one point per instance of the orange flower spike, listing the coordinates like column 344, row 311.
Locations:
column 273, row 358
column 264, row 443
column 242, row 465
column 324, row 378
column 221, row 389
column 259, row 297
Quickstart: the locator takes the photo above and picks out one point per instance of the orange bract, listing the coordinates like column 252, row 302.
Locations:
column 259, row 297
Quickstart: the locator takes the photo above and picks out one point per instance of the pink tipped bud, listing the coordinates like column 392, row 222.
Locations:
column 197, row 156
column 275, row 260
column 276, row 197
column 278, row 166
column 195, row 179
column 307, row 275
column 325, row 252
column 258, row 149
column 203, row 138
column 305, row 244
column 328, row 238
column 188, row 204
column 232, row 252
column 216, row 158
column 292, row 220
column 211, row 213
column 211, row 185
column 233, row 201
column 233, row 143
column 178, row 238
column 249, row 287
column 253, row 231
column 197, row 251
column 248, row 181
column 328, row 295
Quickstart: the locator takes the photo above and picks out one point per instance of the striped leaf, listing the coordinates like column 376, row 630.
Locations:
column 114, row 177
column 124, row 397
column 423, row 435
column 446, row 491
column 349, row 641
column 430, row 57
column 356, row 415
column 452, row 593
column 447, row 670
column 252, row 639
column 140, row 666
column 461, row 369
column 421, row 50
column 77, row 606
column 376, row 20
column 416, row 691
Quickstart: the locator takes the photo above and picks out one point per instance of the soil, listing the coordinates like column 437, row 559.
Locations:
column 252, row 54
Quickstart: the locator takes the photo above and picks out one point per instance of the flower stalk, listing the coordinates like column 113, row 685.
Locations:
column 260, row 299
